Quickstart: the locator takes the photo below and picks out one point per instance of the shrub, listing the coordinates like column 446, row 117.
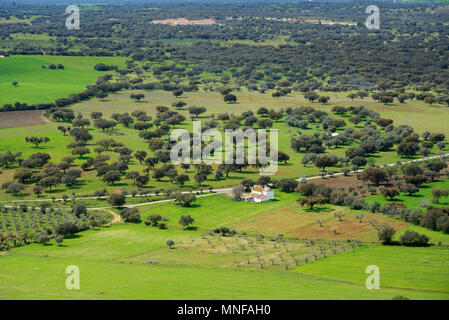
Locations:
column 184, row 199
column 185, row 221
column 79, row 209
column 386, row 234
column 117, row 199
column 389, row 193
column 153, row 219
column 59, row 239
column 414, row 239
column 287, row 185
column 358, row 204
column 43, row 238
column 130, row 215
column 170, row 244
column 442, row 224
column 67, row 228
column 429, row 219
column 307, row 189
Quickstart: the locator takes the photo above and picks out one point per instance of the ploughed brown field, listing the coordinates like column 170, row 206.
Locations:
column 12, row 119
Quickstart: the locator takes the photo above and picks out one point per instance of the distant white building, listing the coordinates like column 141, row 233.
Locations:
column 184, row 21
column 259, row 194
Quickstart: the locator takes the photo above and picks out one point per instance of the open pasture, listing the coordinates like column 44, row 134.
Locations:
column 127, row 261
column 423, row 269
column 416, row 200
column 39, row 277
column 38, row 85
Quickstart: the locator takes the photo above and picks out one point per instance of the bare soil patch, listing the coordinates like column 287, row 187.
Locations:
column 116, row 219
column 338, row 181
column 13, row 119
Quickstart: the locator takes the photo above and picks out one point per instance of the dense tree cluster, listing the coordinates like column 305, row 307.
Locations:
column 395, row 181
column 314, row 56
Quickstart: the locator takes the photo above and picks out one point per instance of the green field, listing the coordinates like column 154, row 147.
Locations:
column 115, row 261
column 112, row 263
column 423, row 269
column 38, row 85
column 26, row 277
column 414, row 201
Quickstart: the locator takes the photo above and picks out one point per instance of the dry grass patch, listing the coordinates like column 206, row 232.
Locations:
column 242, row 252
column 302, row 224
column 14, row 119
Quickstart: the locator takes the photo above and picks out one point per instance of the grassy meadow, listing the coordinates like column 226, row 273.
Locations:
column 399, row 267
column 414, row 201
column 28, row 277
column 38, row 85
column 113, row 261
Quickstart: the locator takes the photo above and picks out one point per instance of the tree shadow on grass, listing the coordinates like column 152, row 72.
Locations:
column 318, row 209
column 20, row 195
column 73, row 236
column 56, row 190
column 193, row 206
column 77, row 186
column 41, row 148
column 414, row 196
column 395, row 200
column 122, row 184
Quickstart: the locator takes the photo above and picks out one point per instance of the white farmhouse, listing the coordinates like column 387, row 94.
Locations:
column 259, row 194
